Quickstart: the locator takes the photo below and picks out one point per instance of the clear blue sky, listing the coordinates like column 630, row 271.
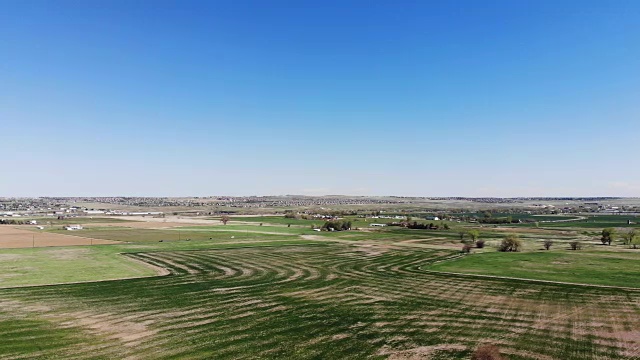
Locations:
column 447, row 98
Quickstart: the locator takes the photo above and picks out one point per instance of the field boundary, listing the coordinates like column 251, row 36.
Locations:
column 481, row 276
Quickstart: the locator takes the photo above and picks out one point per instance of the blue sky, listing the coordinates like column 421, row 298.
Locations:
column 426, row 98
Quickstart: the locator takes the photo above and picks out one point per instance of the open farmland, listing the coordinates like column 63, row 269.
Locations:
column 332, row 301
column 186, row 291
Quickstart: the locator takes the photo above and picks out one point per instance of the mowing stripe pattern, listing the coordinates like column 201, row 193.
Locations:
column 323, row 302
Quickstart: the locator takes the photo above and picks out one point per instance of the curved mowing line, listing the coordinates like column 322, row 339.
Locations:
column 339, row 302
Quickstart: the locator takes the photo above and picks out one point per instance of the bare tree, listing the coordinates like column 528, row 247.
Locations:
column 632, row 238
column 225, row 219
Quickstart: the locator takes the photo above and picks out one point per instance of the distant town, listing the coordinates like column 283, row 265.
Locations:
column 157, row 206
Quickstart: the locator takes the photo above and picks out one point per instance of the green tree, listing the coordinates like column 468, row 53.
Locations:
column 511, row 243
column 474, row 234
column 607, row 236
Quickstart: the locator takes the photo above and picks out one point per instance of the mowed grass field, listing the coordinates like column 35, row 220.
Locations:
column 274, row 292
column 40, row 266
column 324, row 301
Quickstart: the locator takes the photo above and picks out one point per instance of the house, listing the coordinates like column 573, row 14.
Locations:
column 73, row 227
column 380, row 225
column 33, row 222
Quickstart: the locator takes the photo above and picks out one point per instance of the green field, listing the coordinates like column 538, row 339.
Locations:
column 66, row 264
column 329, row 302
column 612, row 268
column 273, row 292
column 599, row 221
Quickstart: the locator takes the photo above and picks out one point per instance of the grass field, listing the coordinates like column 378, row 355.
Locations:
column 613, row 268
column 274, row 292
column 66, row 264
column 595, row 221
column 329, row 302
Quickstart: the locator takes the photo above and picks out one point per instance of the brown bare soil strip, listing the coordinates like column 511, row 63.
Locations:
column 11, row 238
column 129, row 332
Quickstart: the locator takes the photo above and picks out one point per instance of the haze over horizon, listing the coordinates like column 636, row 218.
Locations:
column 197, row 98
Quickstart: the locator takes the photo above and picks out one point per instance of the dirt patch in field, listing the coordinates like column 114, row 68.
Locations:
column 371, row 250
column 26, row 237
column 421, row 352
column 10, row 257
column 67, row 254
column 129, row 332
column 16, row 307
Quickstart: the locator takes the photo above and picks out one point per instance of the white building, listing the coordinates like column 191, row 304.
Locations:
column 73, row 227
column 379, row 225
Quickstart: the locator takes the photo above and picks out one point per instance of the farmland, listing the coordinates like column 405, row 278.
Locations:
column 243, row 290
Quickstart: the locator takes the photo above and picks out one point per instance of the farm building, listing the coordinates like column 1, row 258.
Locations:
column 380, row 225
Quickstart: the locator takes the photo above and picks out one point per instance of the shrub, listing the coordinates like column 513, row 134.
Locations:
column 575, row 245
column 487, row 352
column 547, row 244
column 511, row 243
column 466, row 248
column 480, row 244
